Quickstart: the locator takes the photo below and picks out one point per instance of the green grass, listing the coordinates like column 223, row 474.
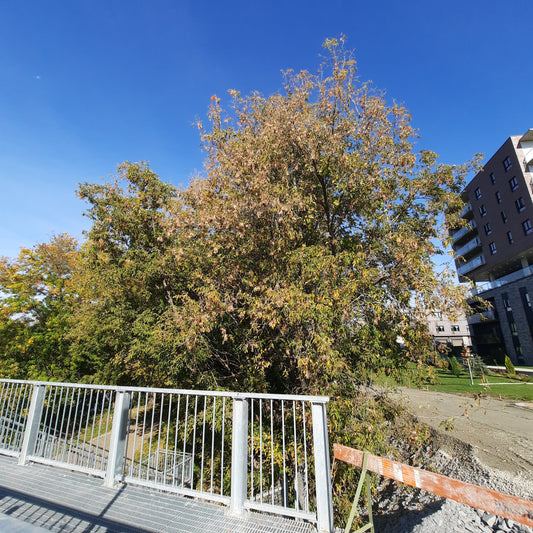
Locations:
column 517, row 389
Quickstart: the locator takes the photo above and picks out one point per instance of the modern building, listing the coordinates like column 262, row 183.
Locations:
column 495, row 251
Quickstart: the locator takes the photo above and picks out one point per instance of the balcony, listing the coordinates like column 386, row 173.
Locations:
column 485, row 316
column 504, row 280
column 468, row 247
column 459, row 234
column 471, row 265
column 467, row 211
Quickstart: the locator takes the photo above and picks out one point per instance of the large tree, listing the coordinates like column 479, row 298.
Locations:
column 317, row 223
column 293, row 263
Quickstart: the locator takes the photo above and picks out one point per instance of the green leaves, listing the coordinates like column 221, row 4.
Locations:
column 36, row 294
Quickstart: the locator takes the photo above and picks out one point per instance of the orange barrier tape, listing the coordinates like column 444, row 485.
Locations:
column 504, row 505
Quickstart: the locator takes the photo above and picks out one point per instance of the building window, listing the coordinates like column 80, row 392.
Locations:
column 520, row 204
column 487, row 228
column 504, row 217
column 482, row 210
column 440, row 329
column 455, row 328
column 526, row 298
column 510, row 237
column 498, row 197
column 477, row 192
column 492, row 248
column 513, row 183
column 526, row 226
column 507, row 163
column 506, row 303
column 492, row 178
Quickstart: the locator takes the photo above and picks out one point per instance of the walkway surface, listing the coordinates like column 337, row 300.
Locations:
column 61, row 500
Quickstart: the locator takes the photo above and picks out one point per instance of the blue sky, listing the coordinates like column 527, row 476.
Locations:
column 85, row 85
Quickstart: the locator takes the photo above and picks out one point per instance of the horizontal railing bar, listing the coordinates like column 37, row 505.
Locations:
column 227, row 394
column 67, row 466
column 7, row 451
column 280, row 510
column 178, row 490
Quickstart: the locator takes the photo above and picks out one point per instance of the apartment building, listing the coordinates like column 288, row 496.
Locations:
column 453, row 333
column 495, row 251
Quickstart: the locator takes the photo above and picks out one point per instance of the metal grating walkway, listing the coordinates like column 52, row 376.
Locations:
column 65, row 501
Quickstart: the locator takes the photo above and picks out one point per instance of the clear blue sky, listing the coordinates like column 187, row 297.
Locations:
column 85, row 85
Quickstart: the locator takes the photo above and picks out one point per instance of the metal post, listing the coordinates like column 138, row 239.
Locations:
column 119, row 429
column 33, row 424
column 239, row 456
column 324, row 496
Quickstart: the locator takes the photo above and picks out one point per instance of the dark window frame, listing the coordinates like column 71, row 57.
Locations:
column 520, row 204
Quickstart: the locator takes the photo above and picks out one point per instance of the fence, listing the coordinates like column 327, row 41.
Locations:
column 248, row 451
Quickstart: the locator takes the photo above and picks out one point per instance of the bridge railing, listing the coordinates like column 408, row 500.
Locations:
column 248, row 451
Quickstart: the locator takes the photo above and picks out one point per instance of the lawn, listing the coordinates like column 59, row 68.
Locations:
column 517, row 388
column 514, row 388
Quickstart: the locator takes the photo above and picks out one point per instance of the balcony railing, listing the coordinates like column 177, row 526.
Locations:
column 468, row 247
column 504, row 280
column 466, row 209
column 459, row 234
column 484, row 316
column 248, row 451
column 471, row 265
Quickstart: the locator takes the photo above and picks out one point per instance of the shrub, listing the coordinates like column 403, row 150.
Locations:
column 509, row 366
column 478, row 366
column 431, row 377
column 455, row 367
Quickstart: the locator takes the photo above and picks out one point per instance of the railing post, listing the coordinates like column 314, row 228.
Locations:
column 324, row 497
column 33, row 423
column 119, row 429
column 239, row 456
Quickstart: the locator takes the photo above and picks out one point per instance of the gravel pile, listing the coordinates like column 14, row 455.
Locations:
column 402, row 509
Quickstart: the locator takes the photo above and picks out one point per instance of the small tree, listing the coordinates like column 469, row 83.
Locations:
column 509, row 366
column 455, row 367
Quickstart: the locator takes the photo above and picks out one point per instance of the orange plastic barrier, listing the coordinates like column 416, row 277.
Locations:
column 504, row 505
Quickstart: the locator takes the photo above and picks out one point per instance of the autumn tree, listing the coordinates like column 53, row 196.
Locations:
column 317, row 223
column 36, row 295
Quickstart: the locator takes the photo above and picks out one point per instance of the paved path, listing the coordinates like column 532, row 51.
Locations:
column 64, row 501
column 500, row 431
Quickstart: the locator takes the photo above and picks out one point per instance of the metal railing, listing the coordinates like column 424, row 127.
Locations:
column 474, row 263
column 461, row 232
column 503, row 280
column 248, row 451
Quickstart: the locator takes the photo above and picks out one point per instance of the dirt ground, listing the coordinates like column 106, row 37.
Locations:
column 499, row 431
